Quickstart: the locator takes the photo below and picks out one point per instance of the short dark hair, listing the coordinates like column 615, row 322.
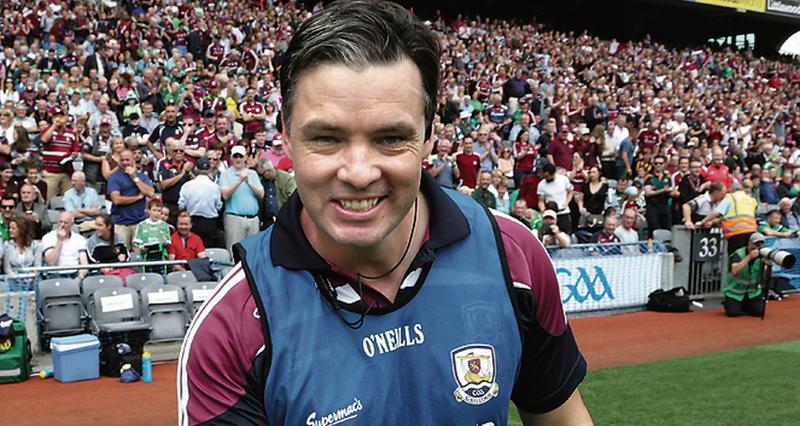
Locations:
column 8, row 197
column 549, row 168
column 360, row 33
column 716, row 186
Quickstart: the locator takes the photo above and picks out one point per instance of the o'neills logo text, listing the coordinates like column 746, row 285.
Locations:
column 392, row 340
column 341, row 415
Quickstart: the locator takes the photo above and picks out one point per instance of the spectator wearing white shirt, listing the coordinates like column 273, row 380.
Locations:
column 626, row 232
column 696, row 209
column 558, row 189
column 202, row 199
column 62, row 247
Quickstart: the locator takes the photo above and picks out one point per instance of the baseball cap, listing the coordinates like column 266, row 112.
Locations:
column 464, row 114
column 202, row 164
column 238, row 149
column 208, row 113
column 58, row 111
column 133, row 116
column 585, row 131
column 277, row 139
column 565, row 128
column 549, row 213
column 757, row 238
column 105, row 121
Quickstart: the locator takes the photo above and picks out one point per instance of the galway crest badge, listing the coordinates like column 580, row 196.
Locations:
column 474, row 372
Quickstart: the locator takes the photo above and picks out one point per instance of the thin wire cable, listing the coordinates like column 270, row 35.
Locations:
column 358, row 323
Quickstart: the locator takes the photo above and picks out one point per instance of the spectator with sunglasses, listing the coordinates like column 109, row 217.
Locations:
column 8, row 206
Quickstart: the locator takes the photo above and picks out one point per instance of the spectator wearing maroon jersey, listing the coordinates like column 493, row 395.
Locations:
column 649, row 137
column 468, row 164
column 560, row 150
column 224, row 136
column 253, row 113
column 524, row 155
column 59, row 146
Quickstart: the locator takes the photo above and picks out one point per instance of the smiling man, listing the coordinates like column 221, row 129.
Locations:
column 366, row 303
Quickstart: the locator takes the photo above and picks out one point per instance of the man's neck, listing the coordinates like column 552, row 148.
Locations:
column 377, row 260
column 28, row 205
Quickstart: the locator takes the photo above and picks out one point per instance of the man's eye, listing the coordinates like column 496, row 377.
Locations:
column 324, row 139
column 391, row 140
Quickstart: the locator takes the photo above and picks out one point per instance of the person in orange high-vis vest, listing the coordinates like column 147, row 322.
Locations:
column 737, row 215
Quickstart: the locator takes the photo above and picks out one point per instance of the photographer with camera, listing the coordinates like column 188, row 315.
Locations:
column 549, row 234
column 742, row 289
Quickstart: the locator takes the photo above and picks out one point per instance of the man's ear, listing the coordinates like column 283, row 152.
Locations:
column 427, row 145
column 287, row 140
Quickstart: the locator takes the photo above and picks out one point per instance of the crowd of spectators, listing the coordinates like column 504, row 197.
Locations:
column 156, row 122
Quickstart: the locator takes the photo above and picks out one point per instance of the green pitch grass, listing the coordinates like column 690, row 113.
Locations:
column 754, row 386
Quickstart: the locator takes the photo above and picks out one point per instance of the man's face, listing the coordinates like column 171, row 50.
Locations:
column 176, row 152
column 77, row 182
column 7, row 207
column 444, row 147
column 65, row 222
column 170, row 113
column 467, row 146
column 32, row 175
column 126, row 159
column 261, row 138
column 695, row 167
column 357, row 140
column 658, row 163
column 27, row 194
column 786, row 207
column 628, row 219
column 610, row 225
column 221, row 125
column 549, row 176
column 718, row 157
column 683, row 164
column 184, row 226
column 519, row 208
column 774, row 218
column 147, row 109
column 485, row 180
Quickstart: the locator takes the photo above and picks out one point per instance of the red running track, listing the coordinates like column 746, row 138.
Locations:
column 605, row 341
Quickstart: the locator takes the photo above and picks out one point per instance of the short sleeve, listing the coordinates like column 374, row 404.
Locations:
column 552, row 366
column 723, row 207
column 113, row 183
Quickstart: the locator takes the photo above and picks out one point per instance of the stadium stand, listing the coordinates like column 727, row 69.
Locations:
column 602, row 111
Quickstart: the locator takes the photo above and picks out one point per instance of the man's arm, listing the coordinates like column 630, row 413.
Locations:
column 572, row 412
column 123, row 200
column 255, row 185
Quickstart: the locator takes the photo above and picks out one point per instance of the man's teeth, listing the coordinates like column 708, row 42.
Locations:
column 359, row 205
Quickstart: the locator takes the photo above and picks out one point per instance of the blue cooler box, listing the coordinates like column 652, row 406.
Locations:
column 75, row 357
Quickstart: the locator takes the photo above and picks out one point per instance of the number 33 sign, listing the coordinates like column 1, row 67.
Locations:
column 705, row 247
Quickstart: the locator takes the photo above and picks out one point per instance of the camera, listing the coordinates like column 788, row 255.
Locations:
column 781, row 258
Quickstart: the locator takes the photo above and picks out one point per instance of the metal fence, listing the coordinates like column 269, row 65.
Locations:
column 607, row 249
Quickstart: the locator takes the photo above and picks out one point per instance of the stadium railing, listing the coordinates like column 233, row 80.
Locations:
column 19, row 295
